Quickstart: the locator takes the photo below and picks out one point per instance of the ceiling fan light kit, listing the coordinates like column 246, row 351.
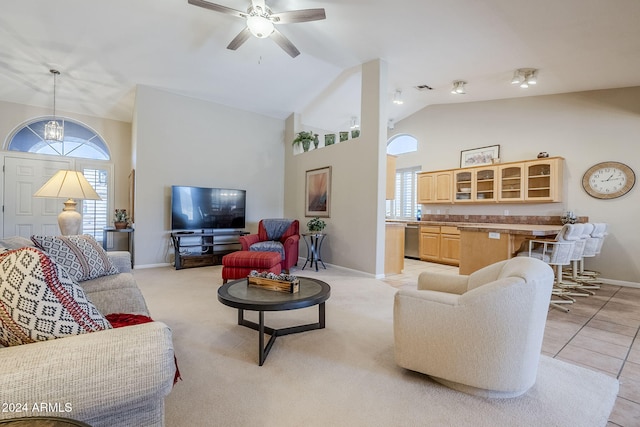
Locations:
column 260, row 22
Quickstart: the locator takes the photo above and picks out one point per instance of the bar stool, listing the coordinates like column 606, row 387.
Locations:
column 557, row 253
column 593, row 247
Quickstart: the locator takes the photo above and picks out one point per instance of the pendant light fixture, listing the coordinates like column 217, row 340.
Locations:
column 54, row 131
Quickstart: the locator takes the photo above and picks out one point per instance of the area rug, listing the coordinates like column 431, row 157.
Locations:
column 343, row 375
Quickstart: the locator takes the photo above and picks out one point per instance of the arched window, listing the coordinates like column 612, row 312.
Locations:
column 401, row 144
column 79, row 140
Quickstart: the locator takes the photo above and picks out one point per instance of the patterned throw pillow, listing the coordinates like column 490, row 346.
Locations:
column 81, row 255
column 39, row 301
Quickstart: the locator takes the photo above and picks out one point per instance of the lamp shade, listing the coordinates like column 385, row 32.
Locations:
column 74, row 185
column 71, row 184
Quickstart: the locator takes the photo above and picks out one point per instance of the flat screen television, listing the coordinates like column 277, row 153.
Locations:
column 198, row 208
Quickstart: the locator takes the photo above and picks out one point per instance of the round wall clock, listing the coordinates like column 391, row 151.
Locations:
column 608, row 180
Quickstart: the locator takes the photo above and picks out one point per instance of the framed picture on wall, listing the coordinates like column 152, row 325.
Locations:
column 317, row 197
column 479, row 156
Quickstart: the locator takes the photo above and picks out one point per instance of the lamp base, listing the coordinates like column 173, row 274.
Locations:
column 70, row 220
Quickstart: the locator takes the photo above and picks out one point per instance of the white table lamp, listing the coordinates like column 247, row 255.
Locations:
column 71, row 185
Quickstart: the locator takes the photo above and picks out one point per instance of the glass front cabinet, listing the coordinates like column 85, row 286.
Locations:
column 475, row 185
column 537, row 181
column 511, row 183
column 544, row 180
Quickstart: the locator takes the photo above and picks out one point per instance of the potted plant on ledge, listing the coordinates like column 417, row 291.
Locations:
column 306, row 138
column 120, row 219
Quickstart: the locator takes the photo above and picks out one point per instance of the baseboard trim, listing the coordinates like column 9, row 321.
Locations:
column 623, row 283
column 143, row 266
column 301, row 261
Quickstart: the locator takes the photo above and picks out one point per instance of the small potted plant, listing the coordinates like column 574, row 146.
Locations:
column 120, row 218
column 305, row 138
column 316, row 225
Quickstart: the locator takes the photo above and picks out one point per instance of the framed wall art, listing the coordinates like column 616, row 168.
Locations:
column 317, row 195
column 479, row 156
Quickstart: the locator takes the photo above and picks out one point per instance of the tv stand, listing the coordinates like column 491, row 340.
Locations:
column 204, row 248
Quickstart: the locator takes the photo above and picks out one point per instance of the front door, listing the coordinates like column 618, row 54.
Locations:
column 25, row 215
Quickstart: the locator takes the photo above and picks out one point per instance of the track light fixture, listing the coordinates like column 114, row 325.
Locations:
column 397, row 97
column 525, row 77
column 458, row 87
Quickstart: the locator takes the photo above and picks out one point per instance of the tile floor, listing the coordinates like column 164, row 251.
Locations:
column 600, row 332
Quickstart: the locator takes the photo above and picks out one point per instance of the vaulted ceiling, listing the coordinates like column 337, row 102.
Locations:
column 103, row 49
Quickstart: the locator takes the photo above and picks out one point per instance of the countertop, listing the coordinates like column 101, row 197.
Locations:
column 525, row 229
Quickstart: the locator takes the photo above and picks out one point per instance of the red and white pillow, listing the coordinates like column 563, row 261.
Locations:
column 81, row 255
column 39, row 301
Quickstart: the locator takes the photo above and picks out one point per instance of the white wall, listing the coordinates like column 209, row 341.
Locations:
column 179, row 140
column 585, row 128
column 356, row 226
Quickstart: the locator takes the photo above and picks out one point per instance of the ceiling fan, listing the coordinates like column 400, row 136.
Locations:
column 260, row 22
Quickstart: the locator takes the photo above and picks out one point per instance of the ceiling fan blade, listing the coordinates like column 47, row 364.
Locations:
column 294, row 16
column 218, row 8
column 239, row 39
column 284, row 43
column 260, row 4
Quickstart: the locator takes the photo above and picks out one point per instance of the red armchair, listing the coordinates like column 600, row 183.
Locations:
column 276, row 235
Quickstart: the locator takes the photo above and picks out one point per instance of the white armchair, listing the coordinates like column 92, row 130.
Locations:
column 480, row 334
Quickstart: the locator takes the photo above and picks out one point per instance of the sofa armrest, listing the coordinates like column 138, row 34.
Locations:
column 92, row 375
column 121, row 259
column 248, row 240
column 443, row 282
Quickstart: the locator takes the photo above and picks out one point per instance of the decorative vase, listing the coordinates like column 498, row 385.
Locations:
column 344, row 136
column 355, row 133
column 306, row 144
column 316, row 142
column 120, row 225
column 329, row 139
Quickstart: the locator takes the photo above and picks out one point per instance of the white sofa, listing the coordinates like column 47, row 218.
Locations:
column 116, row 377
column 480, row 334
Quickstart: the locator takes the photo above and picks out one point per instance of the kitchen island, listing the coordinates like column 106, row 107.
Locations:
column 485, row 244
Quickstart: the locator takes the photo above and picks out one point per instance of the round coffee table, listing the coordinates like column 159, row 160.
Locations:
column 238, row 294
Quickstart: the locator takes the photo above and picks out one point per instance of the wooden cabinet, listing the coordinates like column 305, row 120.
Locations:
column 475, row 185
column 450, row 245
column 532, row 181
column 430, row 244
column 537, row 181
column 394, row 248
column 391, row 177
column 511, row 182
column 543, row 180
column 434, row 187
column 440, row 244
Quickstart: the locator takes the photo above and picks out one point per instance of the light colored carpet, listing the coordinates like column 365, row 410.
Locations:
column 343, row 375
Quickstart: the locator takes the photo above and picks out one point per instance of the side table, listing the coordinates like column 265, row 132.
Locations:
column 129, row 232
column 314, row 245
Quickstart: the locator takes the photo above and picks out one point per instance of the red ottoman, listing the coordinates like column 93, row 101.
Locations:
column 237, row 265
